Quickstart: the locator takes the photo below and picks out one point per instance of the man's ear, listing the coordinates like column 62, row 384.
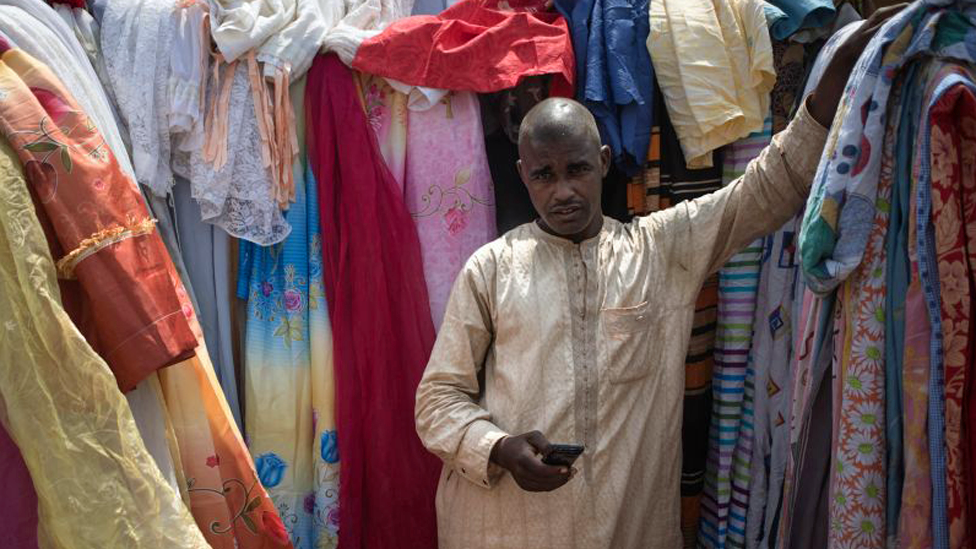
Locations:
column 605, row 159
column 518, row 166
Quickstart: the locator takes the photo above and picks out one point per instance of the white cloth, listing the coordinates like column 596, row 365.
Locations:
column 189, row 59
column 136, row 37
column 238, row 197
column 42, row 33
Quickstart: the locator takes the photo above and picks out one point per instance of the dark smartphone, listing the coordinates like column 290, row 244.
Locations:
column 562, row 454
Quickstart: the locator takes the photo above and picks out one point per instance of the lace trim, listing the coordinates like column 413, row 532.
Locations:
column 99, row 241
column 276, row 124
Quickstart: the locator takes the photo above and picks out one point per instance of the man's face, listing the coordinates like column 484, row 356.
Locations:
column 564, row 177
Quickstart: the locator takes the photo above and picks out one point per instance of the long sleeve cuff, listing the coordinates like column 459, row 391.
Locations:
column 802, row 145
column 473, row 457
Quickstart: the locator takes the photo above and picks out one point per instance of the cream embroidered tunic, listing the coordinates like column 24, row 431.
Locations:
column 586, row 343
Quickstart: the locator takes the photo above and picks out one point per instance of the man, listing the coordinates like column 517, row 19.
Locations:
column 576, row 326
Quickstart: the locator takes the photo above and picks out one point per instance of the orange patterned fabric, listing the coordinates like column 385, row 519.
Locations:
column 123, row 301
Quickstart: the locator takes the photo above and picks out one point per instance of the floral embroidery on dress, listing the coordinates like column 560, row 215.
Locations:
column 271, row 469
column 374, row 100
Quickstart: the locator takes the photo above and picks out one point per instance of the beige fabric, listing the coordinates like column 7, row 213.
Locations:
column 714, row 64
column 586, row 343
column 97, row 486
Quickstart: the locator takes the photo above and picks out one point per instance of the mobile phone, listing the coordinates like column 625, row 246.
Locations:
column 562, row 454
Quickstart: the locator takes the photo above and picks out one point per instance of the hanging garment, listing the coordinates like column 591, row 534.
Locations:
column 774, row 321
column 438, row 158
column 499, row 330
column 788, row 16
column 726, row 497
column 136, row 322
column 906, row 98
column 858, row 475
column 31, row 25
column 471, row 46
column 236, row 190
column 207, row 252
column 946, row 134
column 770, row 357
column 953, row 125
column 844, row 192
column 44, row 394
column 447, row 189
column 382, row 329
column 814, row 342
column 136, row 45
column 614, row 75
column 714, row 65
column 289, row 380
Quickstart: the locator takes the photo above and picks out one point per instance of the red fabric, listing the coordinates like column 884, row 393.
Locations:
column 953, row 121
column 473, row 47
column 381, row 324
column 70, row 3
column 18, row 501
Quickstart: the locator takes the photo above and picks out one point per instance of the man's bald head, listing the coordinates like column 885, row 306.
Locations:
column 563, row 165
column 557, row 119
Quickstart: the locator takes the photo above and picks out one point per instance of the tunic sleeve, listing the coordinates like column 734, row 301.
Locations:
column 709, row 230
column 450, row 421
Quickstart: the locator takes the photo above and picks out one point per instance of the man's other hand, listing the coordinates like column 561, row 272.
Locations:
column 825, row 98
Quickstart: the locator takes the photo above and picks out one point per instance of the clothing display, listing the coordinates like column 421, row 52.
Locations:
column 302, row 290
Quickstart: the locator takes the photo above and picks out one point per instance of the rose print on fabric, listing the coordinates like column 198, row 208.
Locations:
column 329, row 447
column 271, row 469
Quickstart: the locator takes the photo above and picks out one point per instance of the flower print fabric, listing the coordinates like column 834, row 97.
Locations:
column 438, row 158
column 136, row 323
column 837, row 220
column 288, row 380
column 953, row 143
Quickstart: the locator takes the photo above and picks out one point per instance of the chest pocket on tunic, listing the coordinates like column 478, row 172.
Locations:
column 632, row 340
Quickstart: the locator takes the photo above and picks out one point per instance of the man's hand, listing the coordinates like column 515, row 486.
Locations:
column 520, row 456
column 824, row 99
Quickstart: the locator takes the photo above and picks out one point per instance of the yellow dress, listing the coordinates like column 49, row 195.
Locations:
column 97, row 486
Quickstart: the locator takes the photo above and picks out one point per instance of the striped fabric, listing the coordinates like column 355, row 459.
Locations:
column 726, row 497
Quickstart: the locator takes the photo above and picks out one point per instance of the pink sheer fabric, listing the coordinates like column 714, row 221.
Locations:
column 382, row 328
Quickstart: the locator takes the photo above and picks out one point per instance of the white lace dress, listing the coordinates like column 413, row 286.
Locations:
column 137, row 38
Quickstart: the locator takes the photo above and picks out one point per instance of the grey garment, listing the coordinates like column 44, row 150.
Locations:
column 205, row 251
column 811, row 520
